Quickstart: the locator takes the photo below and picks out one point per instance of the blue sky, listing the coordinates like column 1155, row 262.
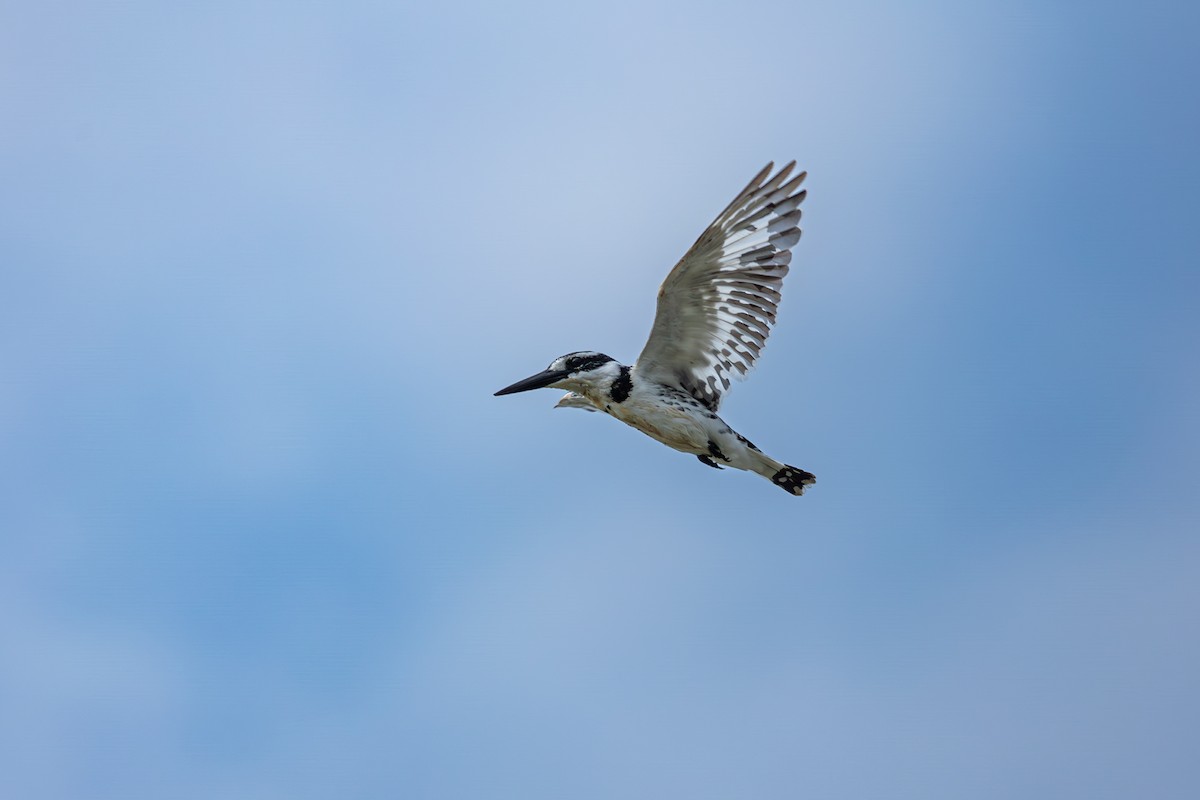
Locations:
column 265, row 532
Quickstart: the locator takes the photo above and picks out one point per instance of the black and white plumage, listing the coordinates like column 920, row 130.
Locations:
column 715, row 312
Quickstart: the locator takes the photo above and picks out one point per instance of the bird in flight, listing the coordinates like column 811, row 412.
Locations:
column 715, row 312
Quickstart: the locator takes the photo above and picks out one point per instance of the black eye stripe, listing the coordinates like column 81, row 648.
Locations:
column 588, row 362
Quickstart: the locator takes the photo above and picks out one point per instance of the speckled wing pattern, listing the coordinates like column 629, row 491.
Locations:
column 716, row 307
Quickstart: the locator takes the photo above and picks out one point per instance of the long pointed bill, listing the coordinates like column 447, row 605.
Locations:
column 541, row 380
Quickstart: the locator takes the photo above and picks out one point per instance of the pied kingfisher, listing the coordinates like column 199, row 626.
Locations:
column 715, row 311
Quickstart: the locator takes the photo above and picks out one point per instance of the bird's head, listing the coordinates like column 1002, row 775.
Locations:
column 576, row 372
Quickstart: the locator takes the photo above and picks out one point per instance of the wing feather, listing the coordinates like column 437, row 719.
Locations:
column 717, row 306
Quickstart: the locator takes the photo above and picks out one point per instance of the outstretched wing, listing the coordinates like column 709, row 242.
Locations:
column 716, row 308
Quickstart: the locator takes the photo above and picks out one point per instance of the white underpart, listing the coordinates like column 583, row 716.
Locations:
column 670, row 417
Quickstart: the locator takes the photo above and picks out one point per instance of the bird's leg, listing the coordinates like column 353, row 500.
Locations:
column 715, row 451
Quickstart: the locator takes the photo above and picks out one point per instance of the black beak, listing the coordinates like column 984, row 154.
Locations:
column 542, row 379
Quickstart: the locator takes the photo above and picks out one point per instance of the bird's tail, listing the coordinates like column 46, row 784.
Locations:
column 791, row 479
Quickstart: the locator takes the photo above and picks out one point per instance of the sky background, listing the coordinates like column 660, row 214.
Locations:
column 265, row 532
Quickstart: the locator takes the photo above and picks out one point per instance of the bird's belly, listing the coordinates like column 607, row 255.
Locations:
column 675, row 427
